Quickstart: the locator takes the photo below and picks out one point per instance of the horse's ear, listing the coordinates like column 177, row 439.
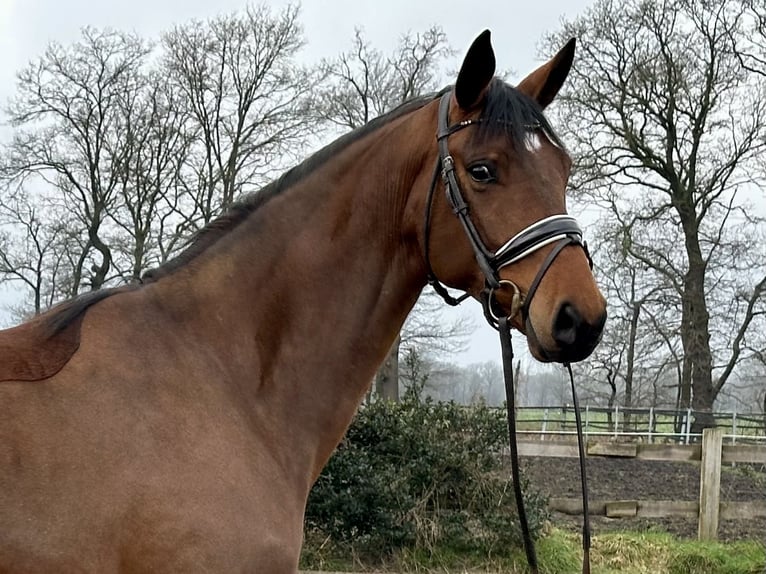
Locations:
column 544, row 83
column 476, row 72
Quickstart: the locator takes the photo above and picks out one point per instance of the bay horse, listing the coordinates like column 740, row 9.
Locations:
column 177, row 425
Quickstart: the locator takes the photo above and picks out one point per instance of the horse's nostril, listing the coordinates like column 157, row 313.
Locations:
column 567, row 325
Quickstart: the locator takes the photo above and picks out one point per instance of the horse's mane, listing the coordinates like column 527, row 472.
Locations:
column 506, row 112
column 62, row 315
column 239, row 211
column 39, row 348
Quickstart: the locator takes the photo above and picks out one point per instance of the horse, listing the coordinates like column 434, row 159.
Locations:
column 177, row 424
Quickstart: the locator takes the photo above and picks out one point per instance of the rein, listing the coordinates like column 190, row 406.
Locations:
column 557, row 230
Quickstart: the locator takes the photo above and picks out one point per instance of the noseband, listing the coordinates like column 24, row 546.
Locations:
column 557, row 230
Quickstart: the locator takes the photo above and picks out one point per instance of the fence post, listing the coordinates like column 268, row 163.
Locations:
column 545, row 423
column 563, row 420
column 710, row 483
column 616, row 419
column 651, row 423
column 734, row 432
column 587, row 417
column 688, row 424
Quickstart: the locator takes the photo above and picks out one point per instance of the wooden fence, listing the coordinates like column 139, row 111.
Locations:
column 645, row 424
column 711, row 454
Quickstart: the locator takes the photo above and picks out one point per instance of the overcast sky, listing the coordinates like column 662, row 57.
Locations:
column 27, row 26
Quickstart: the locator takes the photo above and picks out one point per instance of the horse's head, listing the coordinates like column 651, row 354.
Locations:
column 508, row 191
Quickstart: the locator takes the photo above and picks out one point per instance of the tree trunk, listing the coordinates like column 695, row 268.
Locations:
column 611, row 378
column 695, row 328
column 764, row 412
column 387, row 378
column 630, row 366
column 684, row 398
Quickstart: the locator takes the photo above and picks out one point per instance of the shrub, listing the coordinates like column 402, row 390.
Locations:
column 420, row 474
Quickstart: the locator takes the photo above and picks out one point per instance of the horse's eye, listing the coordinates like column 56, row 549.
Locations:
column 482, row 173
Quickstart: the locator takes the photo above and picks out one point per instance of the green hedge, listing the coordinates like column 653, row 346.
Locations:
column 419, row 475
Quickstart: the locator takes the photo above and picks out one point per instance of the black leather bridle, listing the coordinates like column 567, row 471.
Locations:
column 560, row 230
column 557, row 230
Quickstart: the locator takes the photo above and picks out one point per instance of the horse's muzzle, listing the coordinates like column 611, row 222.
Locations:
column 575, row 337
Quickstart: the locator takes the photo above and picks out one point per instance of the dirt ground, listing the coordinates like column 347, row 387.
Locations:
column 632, row 479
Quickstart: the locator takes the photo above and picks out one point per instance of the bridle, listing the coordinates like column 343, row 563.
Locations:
column 560, row 230
column 557, row 230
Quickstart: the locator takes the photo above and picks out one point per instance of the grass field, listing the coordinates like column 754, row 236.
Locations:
column 559, row 552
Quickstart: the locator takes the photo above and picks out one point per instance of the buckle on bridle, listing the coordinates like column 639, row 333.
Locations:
column 448, row 165
column 517, row 300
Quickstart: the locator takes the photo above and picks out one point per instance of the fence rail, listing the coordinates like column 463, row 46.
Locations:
column 648, row 425
column 710, row 455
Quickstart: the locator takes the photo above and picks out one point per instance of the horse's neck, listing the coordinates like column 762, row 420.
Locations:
column 311, row 291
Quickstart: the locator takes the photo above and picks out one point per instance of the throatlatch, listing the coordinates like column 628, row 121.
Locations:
column 557, row 230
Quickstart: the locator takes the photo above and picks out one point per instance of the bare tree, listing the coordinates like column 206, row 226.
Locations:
column 428, row 334
column 428, row 330
column 750, row 45
column 666, row 127
column 130, row 147
column 364, row 83
column 626, row 365
column 150, row 202
column 67, row 135
column 249, row 103
column 30, row 252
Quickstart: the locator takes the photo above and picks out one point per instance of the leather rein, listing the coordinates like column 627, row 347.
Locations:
column 557, row 230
